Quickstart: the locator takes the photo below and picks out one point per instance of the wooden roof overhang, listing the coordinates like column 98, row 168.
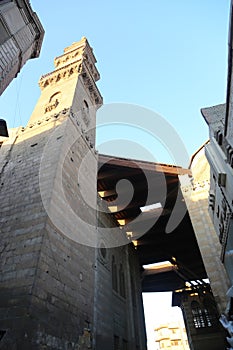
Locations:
column 152, row 183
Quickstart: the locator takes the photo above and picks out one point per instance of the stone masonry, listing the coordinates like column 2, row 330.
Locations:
column 60, row 287
column 21, row 36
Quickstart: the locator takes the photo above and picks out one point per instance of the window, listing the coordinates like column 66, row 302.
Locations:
column 175, row 342
column 198, row 318
column 85, row 105
column 206, row 316
column 2, row 333
column 85, row 112
column 103, row 251
column 116, row 342
column 114, row 275
column 122, row 281
column 4, row 35
column 124, row 345
column 133, row 293
column 210, row 312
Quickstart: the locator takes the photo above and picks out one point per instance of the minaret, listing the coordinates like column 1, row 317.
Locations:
column 71, row 86
column 48, row 217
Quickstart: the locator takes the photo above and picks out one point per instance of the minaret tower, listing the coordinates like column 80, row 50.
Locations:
column 47, row 260
column 71, row 86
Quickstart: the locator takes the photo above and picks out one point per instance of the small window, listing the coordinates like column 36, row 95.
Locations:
column 103, row 251
column 114, row 275
column 2, row 333
column 86, row 113
column 122, row 281
column 116, row 342
column 4, row 35
column 198, row 318
column 174, row 342
column 85, row 104
column 125, row 345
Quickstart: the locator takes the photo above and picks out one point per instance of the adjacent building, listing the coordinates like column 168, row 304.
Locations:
column 219, row 152
column 21, row 35
column 171, row 336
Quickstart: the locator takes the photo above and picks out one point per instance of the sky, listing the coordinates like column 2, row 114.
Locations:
column 167, row 56
column 158, row 310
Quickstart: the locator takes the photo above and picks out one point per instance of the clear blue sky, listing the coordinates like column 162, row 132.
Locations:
column 167, row 55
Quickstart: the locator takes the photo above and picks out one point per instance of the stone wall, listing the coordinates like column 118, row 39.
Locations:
column 196, row 192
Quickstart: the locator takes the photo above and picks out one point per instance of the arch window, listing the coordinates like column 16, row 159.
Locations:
column 53, row 102
column 55, row 96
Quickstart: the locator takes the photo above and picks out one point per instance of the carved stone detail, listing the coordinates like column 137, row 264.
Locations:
column 46, row 119
column 61, row 73
column 51, row 106
column 91, row 86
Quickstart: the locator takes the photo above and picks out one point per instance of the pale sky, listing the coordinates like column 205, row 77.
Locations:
column 169, row 56
column 157, row 308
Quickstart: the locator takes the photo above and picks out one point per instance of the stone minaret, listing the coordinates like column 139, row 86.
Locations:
column 48, row 222
column 56, row 287
column 70, row 86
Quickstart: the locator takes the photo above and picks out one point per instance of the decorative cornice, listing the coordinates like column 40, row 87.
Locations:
column 90, row 85
column 55, row 116
column 197, row 186
column 61, row 73
column 77, row 58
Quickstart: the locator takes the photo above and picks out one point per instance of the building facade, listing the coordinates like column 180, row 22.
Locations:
column 201, row 318
column 172, row 335
column 66, row 282
column 196, row 194
column 61, row 288
column 219, row 153
column 21, row 35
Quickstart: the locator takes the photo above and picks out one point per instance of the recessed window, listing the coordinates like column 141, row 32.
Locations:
column 124, row 344
column 198, row 318
column 122, row 281
column 2, row 333
column 103, row 251
column 116, row 342
column 85, row 104
column 114, row 275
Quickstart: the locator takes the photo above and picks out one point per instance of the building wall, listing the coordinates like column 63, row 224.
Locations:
column 172, row 336
column 21, row 35
column 56, row 281
column 196, row 195
column 201, row 318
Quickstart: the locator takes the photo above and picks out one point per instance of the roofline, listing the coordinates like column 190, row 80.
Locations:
column 197, row 151
column 145, row 165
